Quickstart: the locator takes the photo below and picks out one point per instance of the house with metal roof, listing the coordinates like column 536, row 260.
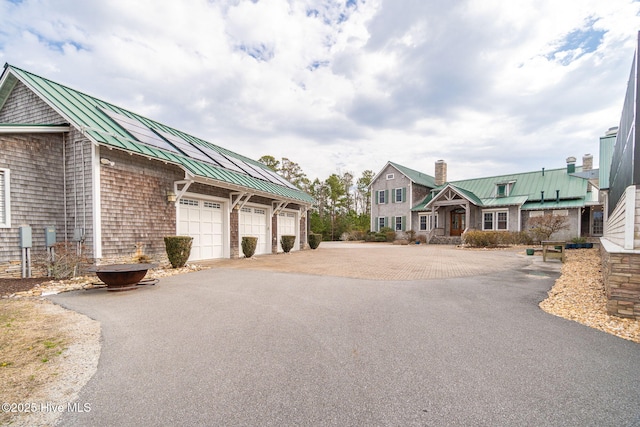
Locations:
column 116, row 182
column 443, row 211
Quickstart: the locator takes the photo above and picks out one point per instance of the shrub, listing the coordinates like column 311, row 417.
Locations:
column 411, row 235
column 287, row 243
column 388, row 233
column 249, row 244
column 67, row 261
column 178, row 249
column 422, row 238
column 543, row 227
column 480, row 239
column 492, row 239
column 314, row 240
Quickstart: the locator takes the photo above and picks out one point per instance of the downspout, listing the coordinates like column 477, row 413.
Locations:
column 64, row 184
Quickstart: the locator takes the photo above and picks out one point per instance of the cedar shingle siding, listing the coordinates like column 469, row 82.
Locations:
column 36, row 188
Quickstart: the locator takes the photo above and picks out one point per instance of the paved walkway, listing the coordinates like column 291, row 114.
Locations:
column 246, row 346
column 380, row 261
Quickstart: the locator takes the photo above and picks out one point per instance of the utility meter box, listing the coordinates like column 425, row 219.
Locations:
column 50, row 235
column 78, row 234
column 25, row 236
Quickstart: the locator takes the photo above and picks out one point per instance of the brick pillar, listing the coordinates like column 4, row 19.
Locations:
column 587, row 162
column 234, row 234
column 274, row 233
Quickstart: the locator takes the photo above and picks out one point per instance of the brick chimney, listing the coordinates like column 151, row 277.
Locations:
column 441, row 172
column 587, row 162
column 571, row 164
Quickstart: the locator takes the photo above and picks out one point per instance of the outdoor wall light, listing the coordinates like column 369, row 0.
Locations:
column 171, row 196
column 106, row 162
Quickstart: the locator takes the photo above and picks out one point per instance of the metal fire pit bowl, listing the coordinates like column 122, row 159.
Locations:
column 122, row 277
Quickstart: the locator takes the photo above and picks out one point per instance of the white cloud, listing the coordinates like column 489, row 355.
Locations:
column 491, row 87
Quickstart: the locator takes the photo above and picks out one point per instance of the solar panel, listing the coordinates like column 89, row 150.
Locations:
column 186, row 147
column 220, row 159
column 253, row 171
column 140, row 132
column 280, row 179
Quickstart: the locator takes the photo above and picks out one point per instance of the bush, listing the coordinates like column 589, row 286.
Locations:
column 314, row 240
column 67, row 261
column 543, row 227
column 411, row 235
column 249, row 244
column 287, row 243
column 388, row 233
column 492, row 239
column 178, row 249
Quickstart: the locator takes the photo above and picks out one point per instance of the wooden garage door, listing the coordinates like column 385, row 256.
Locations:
column 202, row 220
column 253, row 222
column 287, row 225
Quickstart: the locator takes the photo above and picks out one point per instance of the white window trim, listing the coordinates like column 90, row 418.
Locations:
column 390, row 176
column 381, row 194
column 494, row 220
column 384, row 220
column 395, row 195
column 7, row 198
column 430, row 219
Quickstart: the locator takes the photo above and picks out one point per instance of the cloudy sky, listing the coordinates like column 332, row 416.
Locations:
column 491, row 86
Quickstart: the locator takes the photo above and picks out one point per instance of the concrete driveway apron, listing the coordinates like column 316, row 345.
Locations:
column 238, row 346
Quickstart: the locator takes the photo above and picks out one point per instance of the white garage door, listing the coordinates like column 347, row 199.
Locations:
column 287, row 226
column 253, row 222
column 202, row 220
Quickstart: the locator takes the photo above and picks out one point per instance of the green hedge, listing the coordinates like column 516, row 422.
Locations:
column 249, row 246
column 314, row 240
column 287, row 243
column 492, row 239
column 178, row 249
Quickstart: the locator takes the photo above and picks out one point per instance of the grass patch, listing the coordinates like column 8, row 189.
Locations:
column 31, row 342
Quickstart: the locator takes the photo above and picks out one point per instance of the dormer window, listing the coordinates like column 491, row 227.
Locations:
column 503, row 189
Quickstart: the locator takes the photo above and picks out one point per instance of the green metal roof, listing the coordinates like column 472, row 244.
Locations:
column 525, row 189
column 85, row 113
column 415, row 176
column 607, row 144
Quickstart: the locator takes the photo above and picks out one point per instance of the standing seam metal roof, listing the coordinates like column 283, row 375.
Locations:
column 526, row 188
column 83, row 112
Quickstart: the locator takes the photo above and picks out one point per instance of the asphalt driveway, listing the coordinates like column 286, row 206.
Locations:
column 234, row 346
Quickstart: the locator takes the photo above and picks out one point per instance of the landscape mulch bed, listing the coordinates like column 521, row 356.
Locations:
column 11, row 286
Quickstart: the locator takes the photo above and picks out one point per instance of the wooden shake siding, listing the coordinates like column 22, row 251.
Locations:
column 35, row 193
column 37, row 179
column 24, row 106
column 136, row 215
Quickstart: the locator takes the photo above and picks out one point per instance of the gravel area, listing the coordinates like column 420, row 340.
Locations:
column 579, row 295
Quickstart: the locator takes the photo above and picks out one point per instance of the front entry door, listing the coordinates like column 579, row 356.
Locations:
column 457, row 222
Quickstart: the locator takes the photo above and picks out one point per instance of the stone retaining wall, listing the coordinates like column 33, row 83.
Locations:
column 621, row 274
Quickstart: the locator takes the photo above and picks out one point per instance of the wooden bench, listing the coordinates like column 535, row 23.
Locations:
column 553, row 253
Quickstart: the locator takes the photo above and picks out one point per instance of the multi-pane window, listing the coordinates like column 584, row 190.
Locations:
column 398, row 223
column 502, row 221
column 398, row 195
column 598, row 223
column 495, row 220
column 488, row 221
column 428, row 222
column 381, row 222
column 381, row 199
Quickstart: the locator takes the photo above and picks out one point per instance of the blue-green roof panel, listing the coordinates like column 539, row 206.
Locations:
column 85, row 113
